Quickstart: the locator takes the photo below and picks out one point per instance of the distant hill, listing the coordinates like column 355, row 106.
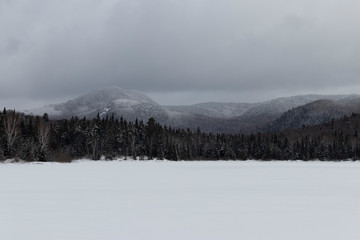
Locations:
column 214, row 117
column 107, row 101
column 316, row 112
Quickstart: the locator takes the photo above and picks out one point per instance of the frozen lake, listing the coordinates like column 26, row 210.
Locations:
column 180, row 200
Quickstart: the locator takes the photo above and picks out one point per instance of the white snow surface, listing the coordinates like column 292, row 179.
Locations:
column 180, row 200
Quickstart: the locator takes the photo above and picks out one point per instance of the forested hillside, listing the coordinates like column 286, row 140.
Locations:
column 40, row 139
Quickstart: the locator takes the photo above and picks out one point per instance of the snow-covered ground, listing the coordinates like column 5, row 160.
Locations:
column 180, row 200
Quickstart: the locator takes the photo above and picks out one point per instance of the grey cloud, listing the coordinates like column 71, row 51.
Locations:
column 11, row 47
column 52, row 49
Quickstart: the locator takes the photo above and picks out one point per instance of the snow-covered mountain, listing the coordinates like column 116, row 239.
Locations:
column 317, row 112
column 212, row 116
column 107, row 101
column 213, row 109
column 264, row 113
column 244, row 117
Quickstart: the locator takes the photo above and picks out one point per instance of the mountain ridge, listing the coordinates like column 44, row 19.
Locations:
column 215, row 117
column 314, row 113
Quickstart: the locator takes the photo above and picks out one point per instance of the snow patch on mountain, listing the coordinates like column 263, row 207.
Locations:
column 126, row 102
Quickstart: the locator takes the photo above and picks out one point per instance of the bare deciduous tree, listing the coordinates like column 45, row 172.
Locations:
column 12, row 128
column 43, row 134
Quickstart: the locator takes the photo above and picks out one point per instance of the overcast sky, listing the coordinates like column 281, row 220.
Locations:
column 177, row 51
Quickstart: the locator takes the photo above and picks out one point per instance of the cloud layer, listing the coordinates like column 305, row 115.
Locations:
column 234, row 50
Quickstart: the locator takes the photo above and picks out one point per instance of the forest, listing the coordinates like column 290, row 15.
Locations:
column 34, row 138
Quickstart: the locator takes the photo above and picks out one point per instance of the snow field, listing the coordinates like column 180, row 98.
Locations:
column 180, row 200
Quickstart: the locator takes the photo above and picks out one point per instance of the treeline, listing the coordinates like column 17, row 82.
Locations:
column 32, row 138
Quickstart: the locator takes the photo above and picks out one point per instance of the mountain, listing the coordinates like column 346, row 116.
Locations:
column 107, row 101
column 212, row 116
column 316, row 112
column 243, row 117
column 213, row 109
column 261, row 116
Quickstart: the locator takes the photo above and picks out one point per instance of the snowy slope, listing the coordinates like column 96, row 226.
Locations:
column 107, row 101
column 180, row 200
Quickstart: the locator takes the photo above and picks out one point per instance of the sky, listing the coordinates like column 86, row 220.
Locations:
column 177, row 51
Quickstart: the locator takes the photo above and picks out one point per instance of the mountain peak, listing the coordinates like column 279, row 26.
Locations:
column 111, row 93
column 107, row 101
